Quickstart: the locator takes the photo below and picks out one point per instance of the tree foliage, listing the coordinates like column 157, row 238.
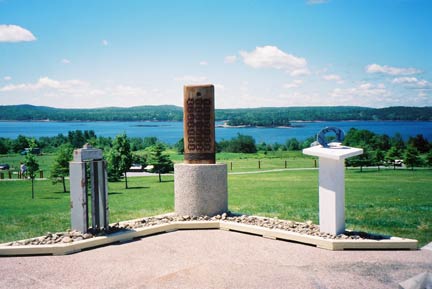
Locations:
column 120, row 158
column 159, row 160
column 31, row 163
column 239, row 144
column 266, row 116
column 60, row 168
column 412, row 157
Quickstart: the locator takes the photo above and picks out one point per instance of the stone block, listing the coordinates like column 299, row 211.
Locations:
column 200, row 189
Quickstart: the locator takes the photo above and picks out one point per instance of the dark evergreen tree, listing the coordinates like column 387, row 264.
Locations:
column 412, row 158
column 420, row 143
column 159, row 160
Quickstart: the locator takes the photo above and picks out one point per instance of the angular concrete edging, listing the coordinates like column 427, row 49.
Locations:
column 394, row 243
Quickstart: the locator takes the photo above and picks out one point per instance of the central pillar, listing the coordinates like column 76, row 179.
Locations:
column 332, row 185
column 200, row 185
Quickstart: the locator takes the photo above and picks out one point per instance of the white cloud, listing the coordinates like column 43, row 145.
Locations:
column 230, row 59
column 104, row 42
column 422, row 93
column 7, row 78
column 273, row 57
column 405, row 80
column 191, row 79
column 362, row 90
column 127, row 91
column 203, row 62
column 300, row 72
column 293, row 84
column 65, row 61
column 43, row 83
column 413, row 82
column 333, row 77
column 75, row 93
column 15, row 33
column 385, row 69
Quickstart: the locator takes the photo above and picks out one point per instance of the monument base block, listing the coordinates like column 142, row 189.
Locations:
column 200, row 189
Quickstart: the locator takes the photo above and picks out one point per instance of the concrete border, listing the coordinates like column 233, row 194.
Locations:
column 393, row 243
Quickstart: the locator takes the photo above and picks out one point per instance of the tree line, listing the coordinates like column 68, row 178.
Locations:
column 266, row 116
column 122, row 152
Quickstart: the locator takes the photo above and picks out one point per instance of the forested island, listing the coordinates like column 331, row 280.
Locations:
column 266, row 116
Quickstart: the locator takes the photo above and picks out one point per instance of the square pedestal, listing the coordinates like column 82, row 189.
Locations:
column 332, row 185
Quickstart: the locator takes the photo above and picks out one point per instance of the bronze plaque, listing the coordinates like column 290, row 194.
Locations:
column 199, row 124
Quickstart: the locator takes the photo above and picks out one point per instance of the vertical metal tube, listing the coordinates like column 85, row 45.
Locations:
column 95, row 195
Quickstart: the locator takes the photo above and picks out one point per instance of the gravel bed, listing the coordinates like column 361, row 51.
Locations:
column 306, row 228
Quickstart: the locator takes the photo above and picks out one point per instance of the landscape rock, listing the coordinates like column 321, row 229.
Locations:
column 307, row 228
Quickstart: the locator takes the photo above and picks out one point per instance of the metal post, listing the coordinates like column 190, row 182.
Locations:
column 78, row 188
column 89, row 160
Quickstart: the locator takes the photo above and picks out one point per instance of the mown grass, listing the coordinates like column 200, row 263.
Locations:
column 21, row 217
column 389, row 202
column 45, row 163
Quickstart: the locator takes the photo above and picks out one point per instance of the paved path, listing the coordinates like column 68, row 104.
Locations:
column 214, row 259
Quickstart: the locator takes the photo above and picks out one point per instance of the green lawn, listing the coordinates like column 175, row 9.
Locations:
column 45, row 163
column 389, row 202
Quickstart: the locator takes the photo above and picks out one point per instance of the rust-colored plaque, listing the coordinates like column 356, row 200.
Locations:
column 199, row 124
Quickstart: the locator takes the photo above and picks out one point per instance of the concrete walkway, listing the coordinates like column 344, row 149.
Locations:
column 214, row 259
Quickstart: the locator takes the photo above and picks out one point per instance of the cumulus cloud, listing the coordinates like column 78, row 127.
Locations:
column 104, row 42
column 74, row 93
column 333, row 77
column 273, row 57
column 43, row 83
column 230, row 59
column 385, row 69
column 413, row 82
column 15, row 33
column 7, row 78
column 65, row 61
column 293, row 84
column 362, row 90
column 203, row 62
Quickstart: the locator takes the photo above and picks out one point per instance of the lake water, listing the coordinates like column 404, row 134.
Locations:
column 171, row 132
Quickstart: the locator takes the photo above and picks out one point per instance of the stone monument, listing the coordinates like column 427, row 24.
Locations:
column 88, row 171
column 332, row 179
column 200, row 185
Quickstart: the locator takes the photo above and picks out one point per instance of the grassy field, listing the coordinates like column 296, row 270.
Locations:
column 236, row 162
column 387, row 201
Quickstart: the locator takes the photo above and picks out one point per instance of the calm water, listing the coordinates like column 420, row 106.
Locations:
column 171, row 132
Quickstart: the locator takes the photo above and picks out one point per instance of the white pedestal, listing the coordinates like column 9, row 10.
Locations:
column 332, row 185
column 200, row 189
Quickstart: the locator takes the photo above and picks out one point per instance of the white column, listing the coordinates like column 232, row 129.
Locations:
column 332, row 185
column 332, row 196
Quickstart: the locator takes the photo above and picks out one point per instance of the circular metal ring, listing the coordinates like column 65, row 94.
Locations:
column 340, row 135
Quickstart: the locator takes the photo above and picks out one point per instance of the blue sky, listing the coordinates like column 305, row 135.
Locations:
column 373, row 53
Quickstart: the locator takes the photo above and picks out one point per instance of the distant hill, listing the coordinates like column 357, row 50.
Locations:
column 266, row 116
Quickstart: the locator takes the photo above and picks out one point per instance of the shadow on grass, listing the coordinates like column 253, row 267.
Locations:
column 50, row 198
column 137, row 188
column 61, row 192
column 115, row 193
